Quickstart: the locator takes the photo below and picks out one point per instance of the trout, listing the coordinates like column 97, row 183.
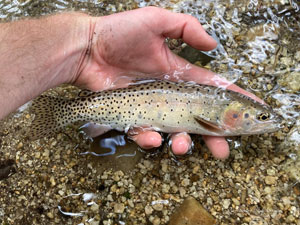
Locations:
column 160, row 106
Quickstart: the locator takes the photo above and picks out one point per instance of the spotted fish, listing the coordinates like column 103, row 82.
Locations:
column 158, row 105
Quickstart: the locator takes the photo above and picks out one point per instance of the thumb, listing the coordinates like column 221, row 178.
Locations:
column 178, row 25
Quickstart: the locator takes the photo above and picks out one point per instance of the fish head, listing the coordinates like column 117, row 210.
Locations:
column 249, row 117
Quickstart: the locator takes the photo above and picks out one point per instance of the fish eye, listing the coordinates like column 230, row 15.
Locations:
column 263, row 116
column 235, row 115
column 246, row 115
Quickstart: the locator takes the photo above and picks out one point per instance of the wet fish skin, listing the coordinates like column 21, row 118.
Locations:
column 158, row 105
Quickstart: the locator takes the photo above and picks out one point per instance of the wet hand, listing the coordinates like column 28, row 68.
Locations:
column 131, row 45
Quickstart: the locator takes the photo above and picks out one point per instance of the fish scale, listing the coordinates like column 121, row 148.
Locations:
column 158, row 105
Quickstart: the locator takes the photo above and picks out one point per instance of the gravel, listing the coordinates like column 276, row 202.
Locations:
column 50, row 181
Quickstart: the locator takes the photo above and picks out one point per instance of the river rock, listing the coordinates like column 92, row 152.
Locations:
column 291, row 81
column 191, row 213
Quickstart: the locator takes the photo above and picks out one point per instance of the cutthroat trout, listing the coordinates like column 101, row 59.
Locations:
column 158, row 105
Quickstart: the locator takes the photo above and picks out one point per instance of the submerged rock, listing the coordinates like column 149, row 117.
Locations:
column 291, row 81
column 291, row 146
column 7, row 168
column 191, row 213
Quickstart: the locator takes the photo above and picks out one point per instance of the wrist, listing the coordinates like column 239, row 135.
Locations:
column 39, row 54
column 73, row 49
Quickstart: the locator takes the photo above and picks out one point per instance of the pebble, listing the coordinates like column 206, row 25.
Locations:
column 148, row 210
column 185, row 182
column 156, row 221
column 226, row 203
column 297, row 56
column 46, row 153
column 94, row 222
column 117, row 175
column 268, row 190
column 286, row 60
column 158, row 207
column 270, row 180
column 271, row 172
column 164, row 167
column 196, row 169
column 130, row 203
column 236, row 201
column 37, row 155
column 50, row 215
column 147, row 164
column 110, row 198
column 20, row 145
column 296, row 189
column 52, row 181
column 182, row 192
column 95, row 207
column 119, row 208
column 82, row 180
column 290, row 219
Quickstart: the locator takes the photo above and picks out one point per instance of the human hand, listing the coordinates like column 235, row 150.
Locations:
column 131, row 45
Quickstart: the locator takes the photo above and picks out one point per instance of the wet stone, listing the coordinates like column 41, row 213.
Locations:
column 270, row 180
column 185, row 182
column 158, row 207
column 194, row 178
column 95, row 207
column 191, row 213
column 148, row 210
column 156, row 221
column 7, row 168
column 296, row 189
column 226, row 203
column 119, row 208
column 291, row 80
column 50, row 215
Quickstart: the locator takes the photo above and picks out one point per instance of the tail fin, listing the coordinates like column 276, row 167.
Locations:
column 49, row 116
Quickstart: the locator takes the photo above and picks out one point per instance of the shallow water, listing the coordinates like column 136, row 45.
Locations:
column 113, row 150
column 258, row 49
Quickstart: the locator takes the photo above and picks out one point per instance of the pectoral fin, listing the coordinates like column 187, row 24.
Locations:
column 94, row 129
column 209, row 125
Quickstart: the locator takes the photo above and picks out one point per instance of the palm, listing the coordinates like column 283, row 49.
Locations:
column 132, row 44
column 139, row 51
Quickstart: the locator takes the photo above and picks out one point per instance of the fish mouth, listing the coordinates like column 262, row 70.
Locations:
column 267, row 127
